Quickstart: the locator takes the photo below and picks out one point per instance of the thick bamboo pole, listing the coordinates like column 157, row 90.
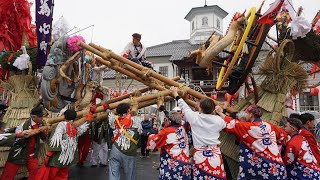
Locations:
column 108, row 55
column 97, row 116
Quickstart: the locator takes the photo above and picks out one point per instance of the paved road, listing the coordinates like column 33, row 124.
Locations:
column 146, row 170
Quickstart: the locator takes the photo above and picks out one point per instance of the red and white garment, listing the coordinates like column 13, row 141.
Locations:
column 299, row 160
column 260, row 146
column 208, row 163
column 174, row 156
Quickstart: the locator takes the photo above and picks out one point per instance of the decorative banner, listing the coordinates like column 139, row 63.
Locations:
column 44, row 11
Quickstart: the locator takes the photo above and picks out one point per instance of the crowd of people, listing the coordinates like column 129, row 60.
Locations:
column 267, row 151
column 188, row 141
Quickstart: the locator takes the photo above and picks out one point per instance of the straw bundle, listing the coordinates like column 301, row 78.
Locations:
column 281, row 76
column 23, row 98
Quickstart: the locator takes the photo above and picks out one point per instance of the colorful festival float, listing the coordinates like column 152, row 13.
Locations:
column 60, row 71
column 284, row 71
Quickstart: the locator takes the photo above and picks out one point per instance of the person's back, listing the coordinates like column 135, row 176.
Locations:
column 308, row 122
column 205, row 129
column 125, row 143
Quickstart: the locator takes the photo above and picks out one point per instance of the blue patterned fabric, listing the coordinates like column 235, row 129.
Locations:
column 298, row 171
column 171, row 168
column 254, row 166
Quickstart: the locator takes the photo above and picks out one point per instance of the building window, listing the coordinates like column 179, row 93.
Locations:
column 186, row 74
column 204, row 21
column 177, row 71
column 218, row 24
column 308, row 102
column 163, row 70
column 192, row 26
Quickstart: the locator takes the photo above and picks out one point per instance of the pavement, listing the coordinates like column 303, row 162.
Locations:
column 146, row 170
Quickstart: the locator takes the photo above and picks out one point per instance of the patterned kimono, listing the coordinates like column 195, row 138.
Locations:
column 259, row 152
column 299, row 160
column 208, row 163
column 174, row 156
column 207, row 157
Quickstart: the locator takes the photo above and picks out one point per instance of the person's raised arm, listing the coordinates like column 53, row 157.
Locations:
column 186, row 110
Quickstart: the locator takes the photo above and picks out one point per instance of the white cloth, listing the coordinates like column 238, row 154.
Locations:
column 60, row 28
column 22, row 62
column 131, row 51
column 98, row 73
column 205, row 128
column 300, row 27
column 99, row 154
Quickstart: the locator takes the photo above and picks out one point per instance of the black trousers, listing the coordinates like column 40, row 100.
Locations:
column 144, row 140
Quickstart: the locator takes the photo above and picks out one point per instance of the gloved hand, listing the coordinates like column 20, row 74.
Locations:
column 105, row 106
column 90, row 116
column 93, row 109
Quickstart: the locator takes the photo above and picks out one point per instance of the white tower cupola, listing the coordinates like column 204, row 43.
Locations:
column 204, row 21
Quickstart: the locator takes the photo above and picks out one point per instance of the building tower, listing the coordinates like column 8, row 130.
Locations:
column 204, row 21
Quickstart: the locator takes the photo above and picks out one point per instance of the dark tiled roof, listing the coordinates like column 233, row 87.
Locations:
column 225, row 13
column 176, row 49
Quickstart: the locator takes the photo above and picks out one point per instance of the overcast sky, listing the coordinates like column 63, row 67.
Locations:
column 159, row 21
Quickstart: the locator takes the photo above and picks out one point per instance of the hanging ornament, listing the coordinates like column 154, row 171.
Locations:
column 314, row 91
column 125, row 92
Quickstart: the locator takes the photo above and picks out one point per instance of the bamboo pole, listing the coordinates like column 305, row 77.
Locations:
column 108, row 55
column 97, row 116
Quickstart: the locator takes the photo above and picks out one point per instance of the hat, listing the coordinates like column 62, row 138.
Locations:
column 37, row 111
column 70, row 114
column 136, row 35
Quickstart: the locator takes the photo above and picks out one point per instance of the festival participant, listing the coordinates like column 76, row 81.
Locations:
column 174, row 155
column 25, row 151
column 308, row 122
column 99, row 155
column 259, row 153
column 205, row 129
column 146, row 125
column 62, row 150
column 298, row 158
column 136, row 52
column 125, row 143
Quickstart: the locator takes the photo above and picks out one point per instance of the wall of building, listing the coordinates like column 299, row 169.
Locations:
column 164, row 62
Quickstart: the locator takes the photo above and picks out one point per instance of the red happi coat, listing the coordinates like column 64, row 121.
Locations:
column 312, row 141
column 174, row 155
column 299, row 160
column 259, row 148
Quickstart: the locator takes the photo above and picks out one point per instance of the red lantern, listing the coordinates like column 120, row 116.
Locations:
column 124, row 93
column 235, row 95
column 314, row 91
column 116, row 94
column 228, row 97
